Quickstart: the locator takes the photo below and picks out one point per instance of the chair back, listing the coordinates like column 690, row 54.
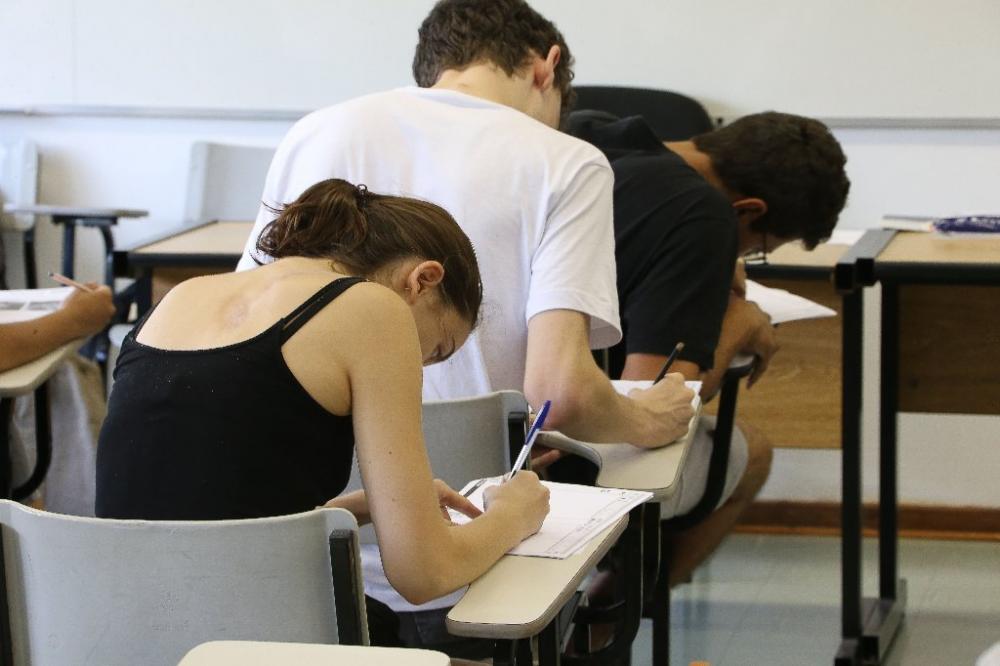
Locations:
column 96, row 591
column 225, row 181
column 467, row 439
column 672, row 116
column 18, row 186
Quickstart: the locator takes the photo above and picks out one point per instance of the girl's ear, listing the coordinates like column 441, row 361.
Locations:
column 422, row 277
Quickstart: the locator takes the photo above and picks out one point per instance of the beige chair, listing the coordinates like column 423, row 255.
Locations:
column 18, row 186
column 86, row 590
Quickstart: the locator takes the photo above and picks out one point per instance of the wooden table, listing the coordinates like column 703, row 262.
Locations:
column 797, row 403
column 24, row 379
column 251, row 653
column 940, row 353
column 168, row 259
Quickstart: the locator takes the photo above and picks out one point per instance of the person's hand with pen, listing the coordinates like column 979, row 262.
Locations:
column 87, row 309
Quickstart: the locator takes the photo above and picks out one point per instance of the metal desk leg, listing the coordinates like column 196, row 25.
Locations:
column 885, row 614
column 30, row 274
column 43, row 445
column 69, row 245
column 6, row 410
column 849, row 653
column 549, row 645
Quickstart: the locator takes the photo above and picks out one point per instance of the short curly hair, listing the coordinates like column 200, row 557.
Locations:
column 507, row 33
column 793, row 163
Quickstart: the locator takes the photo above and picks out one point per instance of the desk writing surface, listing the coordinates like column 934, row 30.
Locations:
column 253, row 653
column 928, row 248
column 227, row 238
column 519, row 596
column 824, row 255
column 26, row 378
column 74, row 211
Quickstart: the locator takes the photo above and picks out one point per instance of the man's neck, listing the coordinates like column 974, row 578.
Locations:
column 698, row 161
column 489, row 82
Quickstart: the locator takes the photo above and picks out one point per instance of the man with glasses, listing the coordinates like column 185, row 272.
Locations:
column 684, row 212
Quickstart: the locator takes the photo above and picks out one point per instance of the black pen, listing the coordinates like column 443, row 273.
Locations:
column 670, row 361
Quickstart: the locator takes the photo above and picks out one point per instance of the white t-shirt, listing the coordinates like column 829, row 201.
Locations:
column 536, row 203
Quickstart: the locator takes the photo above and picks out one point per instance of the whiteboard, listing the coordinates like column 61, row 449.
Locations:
column 832, row 59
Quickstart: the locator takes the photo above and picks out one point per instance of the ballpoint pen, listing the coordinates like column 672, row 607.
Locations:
column 529, row 440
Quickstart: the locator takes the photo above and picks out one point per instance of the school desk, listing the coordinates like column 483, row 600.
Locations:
column 521, row 597
column 940, row 351
column 24, row 379
column 161, row 262
column 253, row 653
column 70, row 217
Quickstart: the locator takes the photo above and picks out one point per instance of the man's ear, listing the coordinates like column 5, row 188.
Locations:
column 545, row 68
column 750, row 209
column 423, row 277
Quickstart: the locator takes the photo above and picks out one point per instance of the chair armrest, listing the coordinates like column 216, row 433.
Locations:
column 725, row 420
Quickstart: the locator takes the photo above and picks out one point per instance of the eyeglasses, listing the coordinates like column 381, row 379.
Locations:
column 758, row 257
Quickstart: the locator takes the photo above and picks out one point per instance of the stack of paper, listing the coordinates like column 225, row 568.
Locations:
column 784, row 306
column 577, row 514
column 22, row 304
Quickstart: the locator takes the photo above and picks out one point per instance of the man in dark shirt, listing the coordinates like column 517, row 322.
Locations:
column 684, row 211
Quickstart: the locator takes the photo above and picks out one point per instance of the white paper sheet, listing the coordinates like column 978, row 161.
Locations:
column 784, row 306
column 38, row 302
column 577, row 514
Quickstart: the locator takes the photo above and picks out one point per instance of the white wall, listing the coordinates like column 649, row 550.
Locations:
column 141, row 162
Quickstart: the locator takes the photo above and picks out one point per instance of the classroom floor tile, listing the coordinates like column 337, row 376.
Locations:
column 765, row 600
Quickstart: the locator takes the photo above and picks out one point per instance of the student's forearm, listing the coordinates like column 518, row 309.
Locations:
column 733, row 338
column 21, row 342
column 456, row 556
column 355, row 502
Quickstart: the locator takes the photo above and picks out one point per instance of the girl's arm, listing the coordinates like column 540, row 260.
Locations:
column 370, row 333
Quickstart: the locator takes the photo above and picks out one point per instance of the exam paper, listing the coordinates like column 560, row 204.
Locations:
column 577, row 514
column 23, row 304
column 784, row 306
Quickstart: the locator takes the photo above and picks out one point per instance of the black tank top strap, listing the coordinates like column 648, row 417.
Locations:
column 308, row 309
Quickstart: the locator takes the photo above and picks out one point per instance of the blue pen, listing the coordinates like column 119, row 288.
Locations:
column 529, row 440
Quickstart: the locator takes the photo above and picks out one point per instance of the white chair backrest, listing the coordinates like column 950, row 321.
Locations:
column 19, row 186
column 225, row 181
column 92, row 591
column 466, row 439
column 18, row 181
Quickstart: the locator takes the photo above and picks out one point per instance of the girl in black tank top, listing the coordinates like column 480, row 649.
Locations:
column 231, row 431
column 284, row 453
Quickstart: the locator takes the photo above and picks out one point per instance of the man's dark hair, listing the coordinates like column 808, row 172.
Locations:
column 507, row 33
column 793, row 163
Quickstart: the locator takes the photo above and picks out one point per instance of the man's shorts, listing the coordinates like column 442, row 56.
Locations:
column 691, row 484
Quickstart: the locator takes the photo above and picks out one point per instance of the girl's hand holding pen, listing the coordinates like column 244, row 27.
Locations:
column 523, row 496
column 449, row 498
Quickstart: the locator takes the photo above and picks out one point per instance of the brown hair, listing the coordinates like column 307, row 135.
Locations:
column 793, row 163
column 363, row 232
column 460, row 33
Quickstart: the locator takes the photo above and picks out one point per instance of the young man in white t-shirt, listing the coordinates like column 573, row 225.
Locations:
column 479, row 138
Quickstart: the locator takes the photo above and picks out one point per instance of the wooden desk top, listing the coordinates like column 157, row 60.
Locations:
column 74, row 211
column 824, row 255
column 224, row 238
column 252, row 653
column 927, row 248
column 519, row 596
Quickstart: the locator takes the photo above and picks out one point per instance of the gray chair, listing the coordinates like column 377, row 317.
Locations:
column 18, row 187
column 467, row 439
column 671, row 115
column 86, row 590
column 225, row 181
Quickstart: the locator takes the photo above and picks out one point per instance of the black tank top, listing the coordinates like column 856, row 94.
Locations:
column 220, row 433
